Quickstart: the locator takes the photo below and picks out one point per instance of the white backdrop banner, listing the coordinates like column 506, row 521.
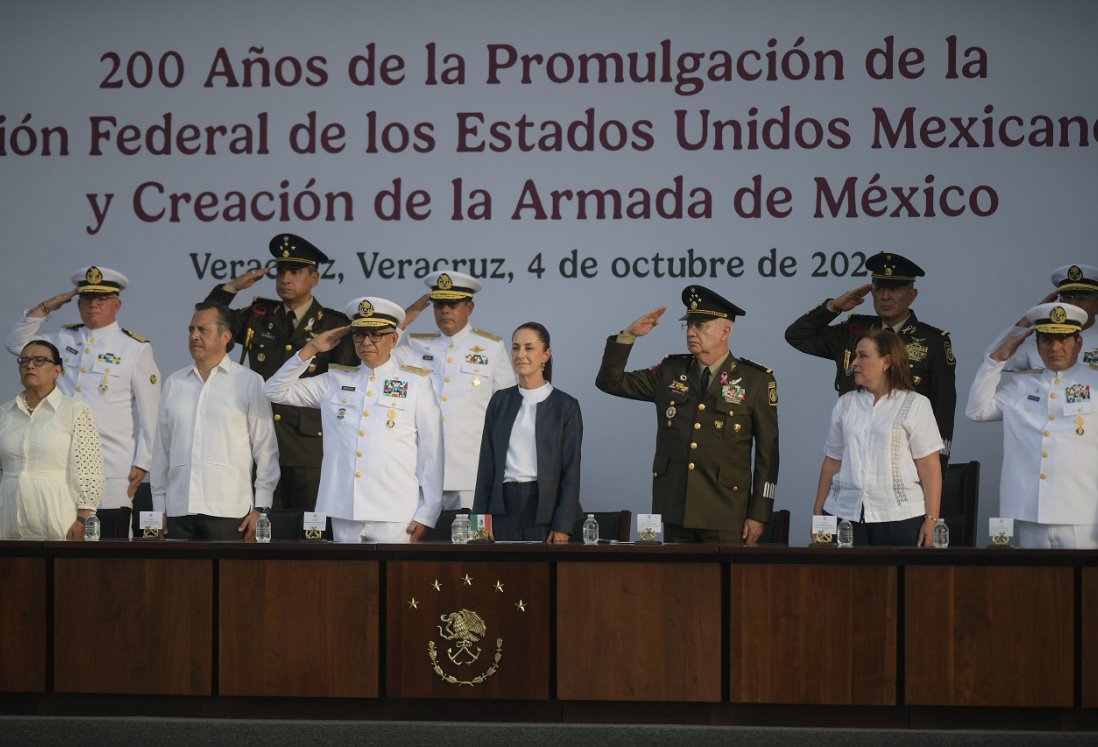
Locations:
column 587, row 160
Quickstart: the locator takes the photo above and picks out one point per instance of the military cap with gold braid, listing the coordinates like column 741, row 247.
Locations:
column 451, row 286
column 1076, row 279
column 372, row 312
column 703, row 304
column 891, row 270
column 98, row 281
column 289, row 249
column 1057, row 318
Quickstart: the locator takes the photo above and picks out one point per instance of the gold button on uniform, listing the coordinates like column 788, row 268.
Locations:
column 79, row 389
column 445, row 398
column 359, row 453
column 1046, row 434
column 87, row 350
column 289, row 348
column 277, row 417
column 697, row 426
column 1052, row 395
column 735, row 488
column 1051, row 417
column 690, row 466
column 701, row 406
column 362, row 433
column 83, row 370
column 449, row 360
column 369, row 393
column 365, row 413
column 694, row 445
column 373, row 378
column 1044, row 454
column 1044, row 476
column 447, row 379
column 358, row 474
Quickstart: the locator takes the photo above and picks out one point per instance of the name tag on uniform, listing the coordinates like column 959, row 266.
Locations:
column 72, row 350
column 347, row 388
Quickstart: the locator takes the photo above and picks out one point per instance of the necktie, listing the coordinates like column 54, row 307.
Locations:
column 291, row 319
column 705, row 379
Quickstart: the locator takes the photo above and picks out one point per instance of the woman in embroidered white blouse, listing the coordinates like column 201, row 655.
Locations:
column 881, row 468
column 51, row 460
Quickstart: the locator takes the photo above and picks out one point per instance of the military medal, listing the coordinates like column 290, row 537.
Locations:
column 476, row 382
column 103, row 385
column 671, row 411
column 261, row 357
column 391, row 414
column 341, row 413
column 390, row 423
column 1079, row 425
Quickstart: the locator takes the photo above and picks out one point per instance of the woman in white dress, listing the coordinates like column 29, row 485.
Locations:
column 51, row 460
column 881, row 468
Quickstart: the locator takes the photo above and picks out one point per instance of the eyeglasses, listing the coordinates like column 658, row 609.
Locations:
column 38, row 360
column 374, row 336
column 695, row 325
column 90, row 299
column 449, row 304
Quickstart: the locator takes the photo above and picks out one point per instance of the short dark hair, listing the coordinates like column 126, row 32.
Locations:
column 226, row 319
column 543, row 335
column 46, row 344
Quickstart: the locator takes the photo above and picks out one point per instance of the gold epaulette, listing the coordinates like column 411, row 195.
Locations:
column 134, row 335
column 489, row 335
column 755, row 364
column 415, row 370
column 425, row 335
column 341, row 367
column 72, row 326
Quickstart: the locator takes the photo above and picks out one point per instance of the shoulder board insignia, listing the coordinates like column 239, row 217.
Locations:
column 755, row 364
column 341, row 367
column 134, row 335
column 415, row 370
column 1029, row 371
column 425, row 335
column 72, row 326
column 944, row 332
column 489, row 335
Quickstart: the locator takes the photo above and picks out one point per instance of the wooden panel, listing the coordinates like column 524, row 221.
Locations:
column 493, row 642
column 23, row 625
column 305, row 628
column 1090, row 637
column 133, row 625
column 813, row 634
column 979, row 636
column 639, row 631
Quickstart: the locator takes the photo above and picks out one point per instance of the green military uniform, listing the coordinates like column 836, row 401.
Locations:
column 704, row 475
column 929, row 351
column 265, row 333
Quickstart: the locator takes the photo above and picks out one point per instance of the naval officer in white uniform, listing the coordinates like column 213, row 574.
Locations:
column 381, row 477
column 1050, row 432
column 113, row 370
column 467, row 365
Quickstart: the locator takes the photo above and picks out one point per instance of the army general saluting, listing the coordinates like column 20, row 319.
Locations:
column 711, row 408
column 269, row 331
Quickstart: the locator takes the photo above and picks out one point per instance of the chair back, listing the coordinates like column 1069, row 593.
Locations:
column 960, row 500
column 777, row 529
column 613, row 525
column 441, row 531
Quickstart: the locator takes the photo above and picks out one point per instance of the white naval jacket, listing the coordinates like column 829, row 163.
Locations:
column 115, row 373
column 1050, row 472
column 465, row 370
column 382, row 439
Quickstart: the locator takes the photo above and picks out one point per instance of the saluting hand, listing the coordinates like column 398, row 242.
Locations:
column 324, row 342
column 52, row 304
column 1010, row 345
column 851, row 298
column 646, row 323
column 412, row 312
column 1024, row 321
column 248, row 279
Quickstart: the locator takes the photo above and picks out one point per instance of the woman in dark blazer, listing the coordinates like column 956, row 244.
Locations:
column 529, row 473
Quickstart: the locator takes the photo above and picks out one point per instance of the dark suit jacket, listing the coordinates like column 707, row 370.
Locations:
column 558, row 433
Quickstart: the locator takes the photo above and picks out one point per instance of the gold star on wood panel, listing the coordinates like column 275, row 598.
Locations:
column 468, row 580
column 499, row 586
column 520, row 606
column 436, row 585
column 413, row 604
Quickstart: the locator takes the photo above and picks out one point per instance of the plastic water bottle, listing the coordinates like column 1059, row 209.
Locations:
column 460, row 530
column 91, row 528
column 263, row 529
column 846, row 533
column 941, row 534
column 590, row 530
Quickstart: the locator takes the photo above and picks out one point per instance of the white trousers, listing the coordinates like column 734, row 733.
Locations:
column 382, row 532
column 1035, row 536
